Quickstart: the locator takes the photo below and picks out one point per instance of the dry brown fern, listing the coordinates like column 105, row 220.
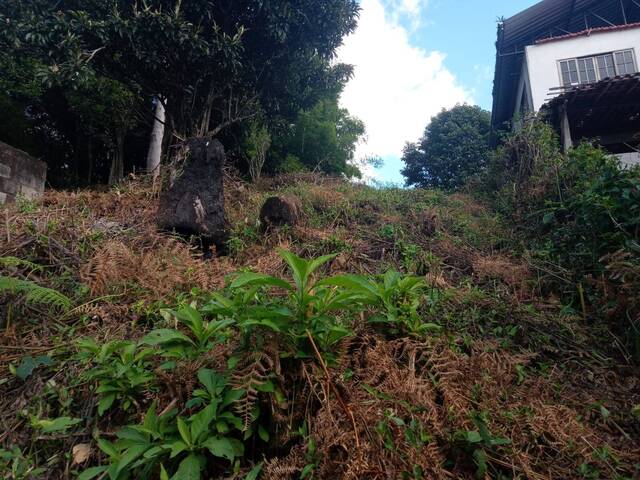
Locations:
column 253, row 372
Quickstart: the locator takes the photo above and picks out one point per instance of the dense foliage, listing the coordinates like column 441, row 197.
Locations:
column 322, row 139
column 214, row 65
column 581, row 213
column 455, row 146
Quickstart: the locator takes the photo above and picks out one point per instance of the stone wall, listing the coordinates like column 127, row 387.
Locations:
column 20, row 174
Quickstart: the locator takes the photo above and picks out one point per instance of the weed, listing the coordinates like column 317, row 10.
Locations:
column 480, row 442
column 121, row 370
column 16, row 466
column 176, row 443
column 396, row 299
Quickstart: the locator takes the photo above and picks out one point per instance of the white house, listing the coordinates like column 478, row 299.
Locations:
column 578, row 61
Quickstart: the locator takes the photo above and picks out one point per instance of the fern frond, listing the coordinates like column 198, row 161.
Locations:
column 253, row 373
column 34, row 293
column 18, row 262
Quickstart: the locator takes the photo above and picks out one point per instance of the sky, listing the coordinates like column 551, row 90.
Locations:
column 413, row 58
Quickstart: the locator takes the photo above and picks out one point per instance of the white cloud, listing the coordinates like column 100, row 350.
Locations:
column 397, row 87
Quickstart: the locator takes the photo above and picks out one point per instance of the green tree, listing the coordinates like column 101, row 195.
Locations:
column 216, row 63
column 455, row 146
column 18, row 90
column 257, row 144
column 322, row 139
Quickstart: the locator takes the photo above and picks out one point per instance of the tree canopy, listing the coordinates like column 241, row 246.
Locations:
column 216, row 66
column 454, row 147
column 215, row 62
column 323, row 138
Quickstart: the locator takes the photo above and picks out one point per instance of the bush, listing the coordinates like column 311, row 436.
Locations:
column 581, row 214
column 583, row 204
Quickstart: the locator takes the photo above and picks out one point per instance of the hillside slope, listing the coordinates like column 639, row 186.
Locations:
column 481, row 372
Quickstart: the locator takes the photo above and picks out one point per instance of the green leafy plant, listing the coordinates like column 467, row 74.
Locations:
column 121, row 369
column 321, row 308
column 203, row 333
column 183, row 444
column 55, row 425
column 479, row 442
column 396, row 300
column 14, row 465
column 34, row 293
column 29, row 364
column 309, row 307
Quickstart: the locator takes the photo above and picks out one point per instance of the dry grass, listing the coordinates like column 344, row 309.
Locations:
column 113, row 260
column 434, row 389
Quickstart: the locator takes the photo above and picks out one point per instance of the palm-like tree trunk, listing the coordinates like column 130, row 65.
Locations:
column 155, row 145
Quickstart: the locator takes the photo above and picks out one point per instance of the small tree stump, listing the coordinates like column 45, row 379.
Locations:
column 193, row 205
column 280, row 211
column 428, row 223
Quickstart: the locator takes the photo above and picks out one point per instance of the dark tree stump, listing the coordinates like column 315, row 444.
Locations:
column 428, row 222
column 193, row 205
column 280, row 211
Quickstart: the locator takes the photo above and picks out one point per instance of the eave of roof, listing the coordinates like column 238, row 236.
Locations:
column 546, row 19
column 588, row 32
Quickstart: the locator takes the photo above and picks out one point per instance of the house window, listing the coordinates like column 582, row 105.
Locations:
column 569, row 70
column 579, row 71
column 606, row 67
column 625, row 63
column 587, row 68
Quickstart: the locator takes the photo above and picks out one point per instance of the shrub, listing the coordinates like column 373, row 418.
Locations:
column 581, row 214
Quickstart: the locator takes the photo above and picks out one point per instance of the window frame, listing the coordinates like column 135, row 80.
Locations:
column 594, row 60
column 634, row 64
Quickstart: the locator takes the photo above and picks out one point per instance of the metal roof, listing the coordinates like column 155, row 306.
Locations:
column 547, row 19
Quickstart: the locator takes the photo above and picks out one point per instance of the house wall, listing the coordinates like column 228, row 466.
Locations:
column 629, row 159
column 542, row 60
column 20, row 174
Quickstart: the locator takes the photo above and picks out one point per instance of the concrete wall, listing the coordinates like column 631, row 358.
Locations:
column 542, row 68
column 629, row 159
column 20, row 174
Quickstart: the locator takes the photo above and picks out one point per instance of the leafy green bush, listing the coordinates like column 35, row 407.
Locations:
column 581, row 214
column 121, row 369
column 306, row 318
column 583, row 205
column 598, row 211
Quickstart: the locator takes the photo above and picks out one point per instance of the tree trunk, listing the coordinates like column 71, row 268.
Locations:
column 155, row 145
column 117, row 164
column 76, row 154
column 89, row 160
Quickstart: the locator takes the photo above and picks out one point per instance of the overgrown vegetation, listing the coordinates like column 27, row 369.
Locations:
column 392, row 334
column 580, row 213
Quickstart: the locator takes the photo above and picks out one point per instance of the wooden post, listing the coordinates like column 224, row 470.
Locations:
column 565, row 129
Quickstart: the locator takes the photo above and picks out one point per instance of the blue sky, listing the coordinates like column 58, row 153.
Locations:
column 414, row 57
